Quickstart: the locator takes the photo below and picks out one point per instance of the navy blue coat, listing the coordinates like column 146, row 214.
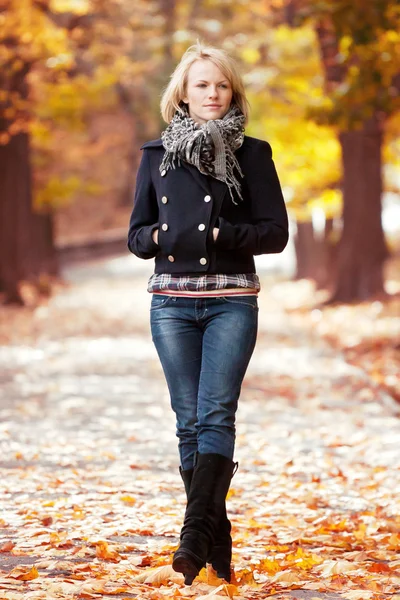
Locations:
column 185, row 206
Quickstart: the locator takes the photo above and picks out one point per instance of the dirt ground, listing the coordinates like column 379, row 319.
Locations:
column 91, row 499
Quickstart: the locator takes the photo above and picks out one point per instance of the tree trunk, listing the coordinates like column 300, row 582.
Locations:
column 168, row 8
column 131, row 103
column 326, row 252
column 304, row 246
column 26, row 241
column 315, row 254
column 362, row 249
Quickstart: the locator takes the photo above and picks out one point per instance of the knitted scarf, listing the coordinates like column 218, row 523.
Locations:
column 210, row 147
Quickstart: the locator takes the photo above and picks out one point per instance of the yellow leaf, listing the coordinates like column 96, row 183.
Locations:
column 128, row 499
column 304, row 560
column 269, row 566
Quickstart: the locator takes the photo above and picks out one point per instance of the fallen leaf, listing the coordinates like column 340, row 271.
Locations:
column 159, row 575
column 22, row 574
column 335, row 567
column 357, row 595
column 106, row 553
column 222, row 590
column 7, row 546
column 128, row 499
column 287, row 576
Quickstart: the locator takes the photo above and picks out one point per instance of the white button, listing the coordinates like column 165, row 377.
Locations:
column 207, row 198
column 171, row 258
column 164, row 227
column 164, row 199
column 163, row 172
column 203, row 261
column 201, row 227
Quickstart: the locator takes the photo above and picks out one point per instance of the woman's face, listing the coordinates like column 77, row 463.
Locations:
column 208, row 93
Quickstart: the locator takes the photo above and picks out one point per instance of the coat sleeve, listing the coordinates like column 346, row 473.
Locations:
column 144, row 217
column 268, row 232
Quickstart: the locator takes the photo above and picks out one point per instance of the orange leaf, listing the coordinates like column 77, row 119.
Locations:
column 16, row 552
column 245, row 577
column 22, row 574
column 103, row 551
column 7, row 546
column 379, row 568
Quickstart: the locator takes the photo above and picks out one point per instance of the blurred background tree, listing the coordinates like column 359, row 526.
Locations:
column 359, row 46
column 80, row 87
column 49, row 78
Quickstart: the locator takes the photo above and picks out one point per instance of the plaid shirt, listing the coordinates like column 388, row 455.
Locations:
column 166, row 282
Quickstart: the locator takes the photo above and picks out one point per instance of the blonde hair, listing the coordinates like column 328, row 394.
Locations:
column 176, row 89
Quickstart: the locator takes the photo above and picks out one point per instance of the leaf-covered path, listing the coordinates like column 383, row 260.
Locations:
column 91, row 499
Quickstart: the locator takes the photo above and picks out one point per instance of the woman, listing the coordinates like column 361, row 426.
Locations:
column 207, row 200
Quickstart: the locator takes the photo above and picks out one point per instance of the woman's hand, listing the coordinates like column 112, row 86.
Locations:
column 154, row 235
column 215, row 233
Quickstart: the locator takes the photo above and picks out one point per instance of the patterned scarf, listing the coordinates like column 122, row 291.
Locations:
column 210, row 147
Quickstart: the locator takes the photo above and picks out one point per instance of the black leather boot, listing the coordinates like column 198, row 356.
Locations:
column 220, row 555
column 209, row 486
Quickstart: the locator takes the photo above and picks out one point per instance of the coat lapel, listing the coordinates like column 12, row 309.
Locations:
column 210, row 185
column 214, row 187
column 201, row 179
column 218, row 189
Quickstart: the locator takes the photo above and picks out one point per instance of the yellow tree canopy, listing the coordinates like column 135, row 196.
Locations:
column 76, row 54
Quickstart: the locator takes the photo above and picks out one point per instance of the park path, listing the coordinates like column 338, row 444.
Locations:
column 90, row 495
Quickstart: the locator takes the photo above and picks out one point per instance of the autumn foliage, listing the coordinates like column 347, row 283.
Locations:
column 323, row 83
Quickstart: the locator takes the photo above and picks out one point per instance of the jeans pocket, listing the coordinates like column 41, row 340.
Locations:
column 159, row 301
column 250, row 301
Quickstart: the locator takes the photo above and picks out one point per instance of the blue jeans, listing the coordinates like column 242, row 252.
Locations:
column 204, row 345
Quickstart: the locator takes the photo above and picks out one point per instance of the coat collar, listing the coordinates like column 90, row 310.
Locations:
column 213, row 187
column 152, row 144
